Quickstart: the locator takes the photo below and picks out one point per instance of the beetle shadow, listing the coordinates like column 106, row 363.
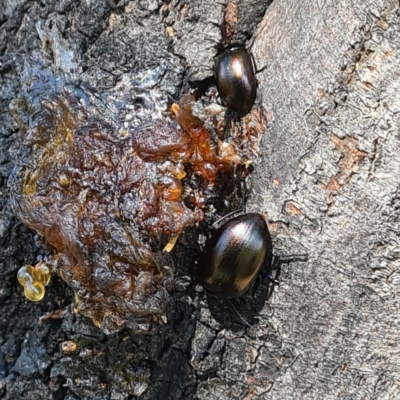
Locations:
column 236, row 314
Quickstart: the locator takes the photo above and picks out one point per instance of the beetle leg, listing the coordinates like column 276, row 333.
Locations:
column 277, row 262
column 275, row 269
column 240, row 317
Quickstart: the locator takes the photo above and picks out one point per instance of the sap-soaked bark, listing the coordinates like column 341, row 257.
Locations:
column 123, row 78
column 105, row 177
column 102, row 196
column 105, row 195
column 80, row 186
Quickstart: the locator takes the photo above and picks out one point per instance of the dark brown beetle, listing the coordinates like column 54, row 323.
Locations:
column 234, row 255
column 234, row 72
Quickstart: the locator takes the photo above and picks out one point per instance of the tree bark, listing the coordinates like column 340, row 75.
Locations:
column 327, row 178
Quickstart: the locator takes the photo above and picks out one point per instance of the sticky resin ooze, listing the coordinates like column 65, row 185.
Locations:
column 34, row 279
column 108, row 203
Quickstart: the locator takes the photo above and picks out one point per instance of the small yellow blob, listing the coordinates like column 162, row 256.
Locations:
column 170, row 31
column 178, row 171
column 25, row 274
column 34, row 279
column 34, row 291
column 171, row 244
column 69, row 346
column 42, row 274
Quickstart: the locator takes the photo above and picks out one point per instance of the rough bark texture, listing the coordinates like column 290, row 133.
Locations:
column 327, row 179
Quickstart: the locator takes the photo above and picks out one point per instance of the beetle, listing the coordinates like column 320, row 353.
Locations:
column 234, row 71
column 235, row 255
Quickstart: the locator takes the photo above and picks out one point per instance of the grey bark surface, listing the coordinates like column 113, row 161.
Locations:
column 334, row 79
column 327, row 178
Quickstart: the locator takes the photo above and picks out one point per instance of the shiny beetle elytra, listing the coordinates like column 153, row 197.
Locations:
column 234, row 255
column 234, row 72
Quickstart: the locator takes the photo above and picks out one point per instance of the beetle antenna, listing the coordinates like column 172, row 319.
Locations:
column 251, row 43
column 239, row 210
column 250, row 47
